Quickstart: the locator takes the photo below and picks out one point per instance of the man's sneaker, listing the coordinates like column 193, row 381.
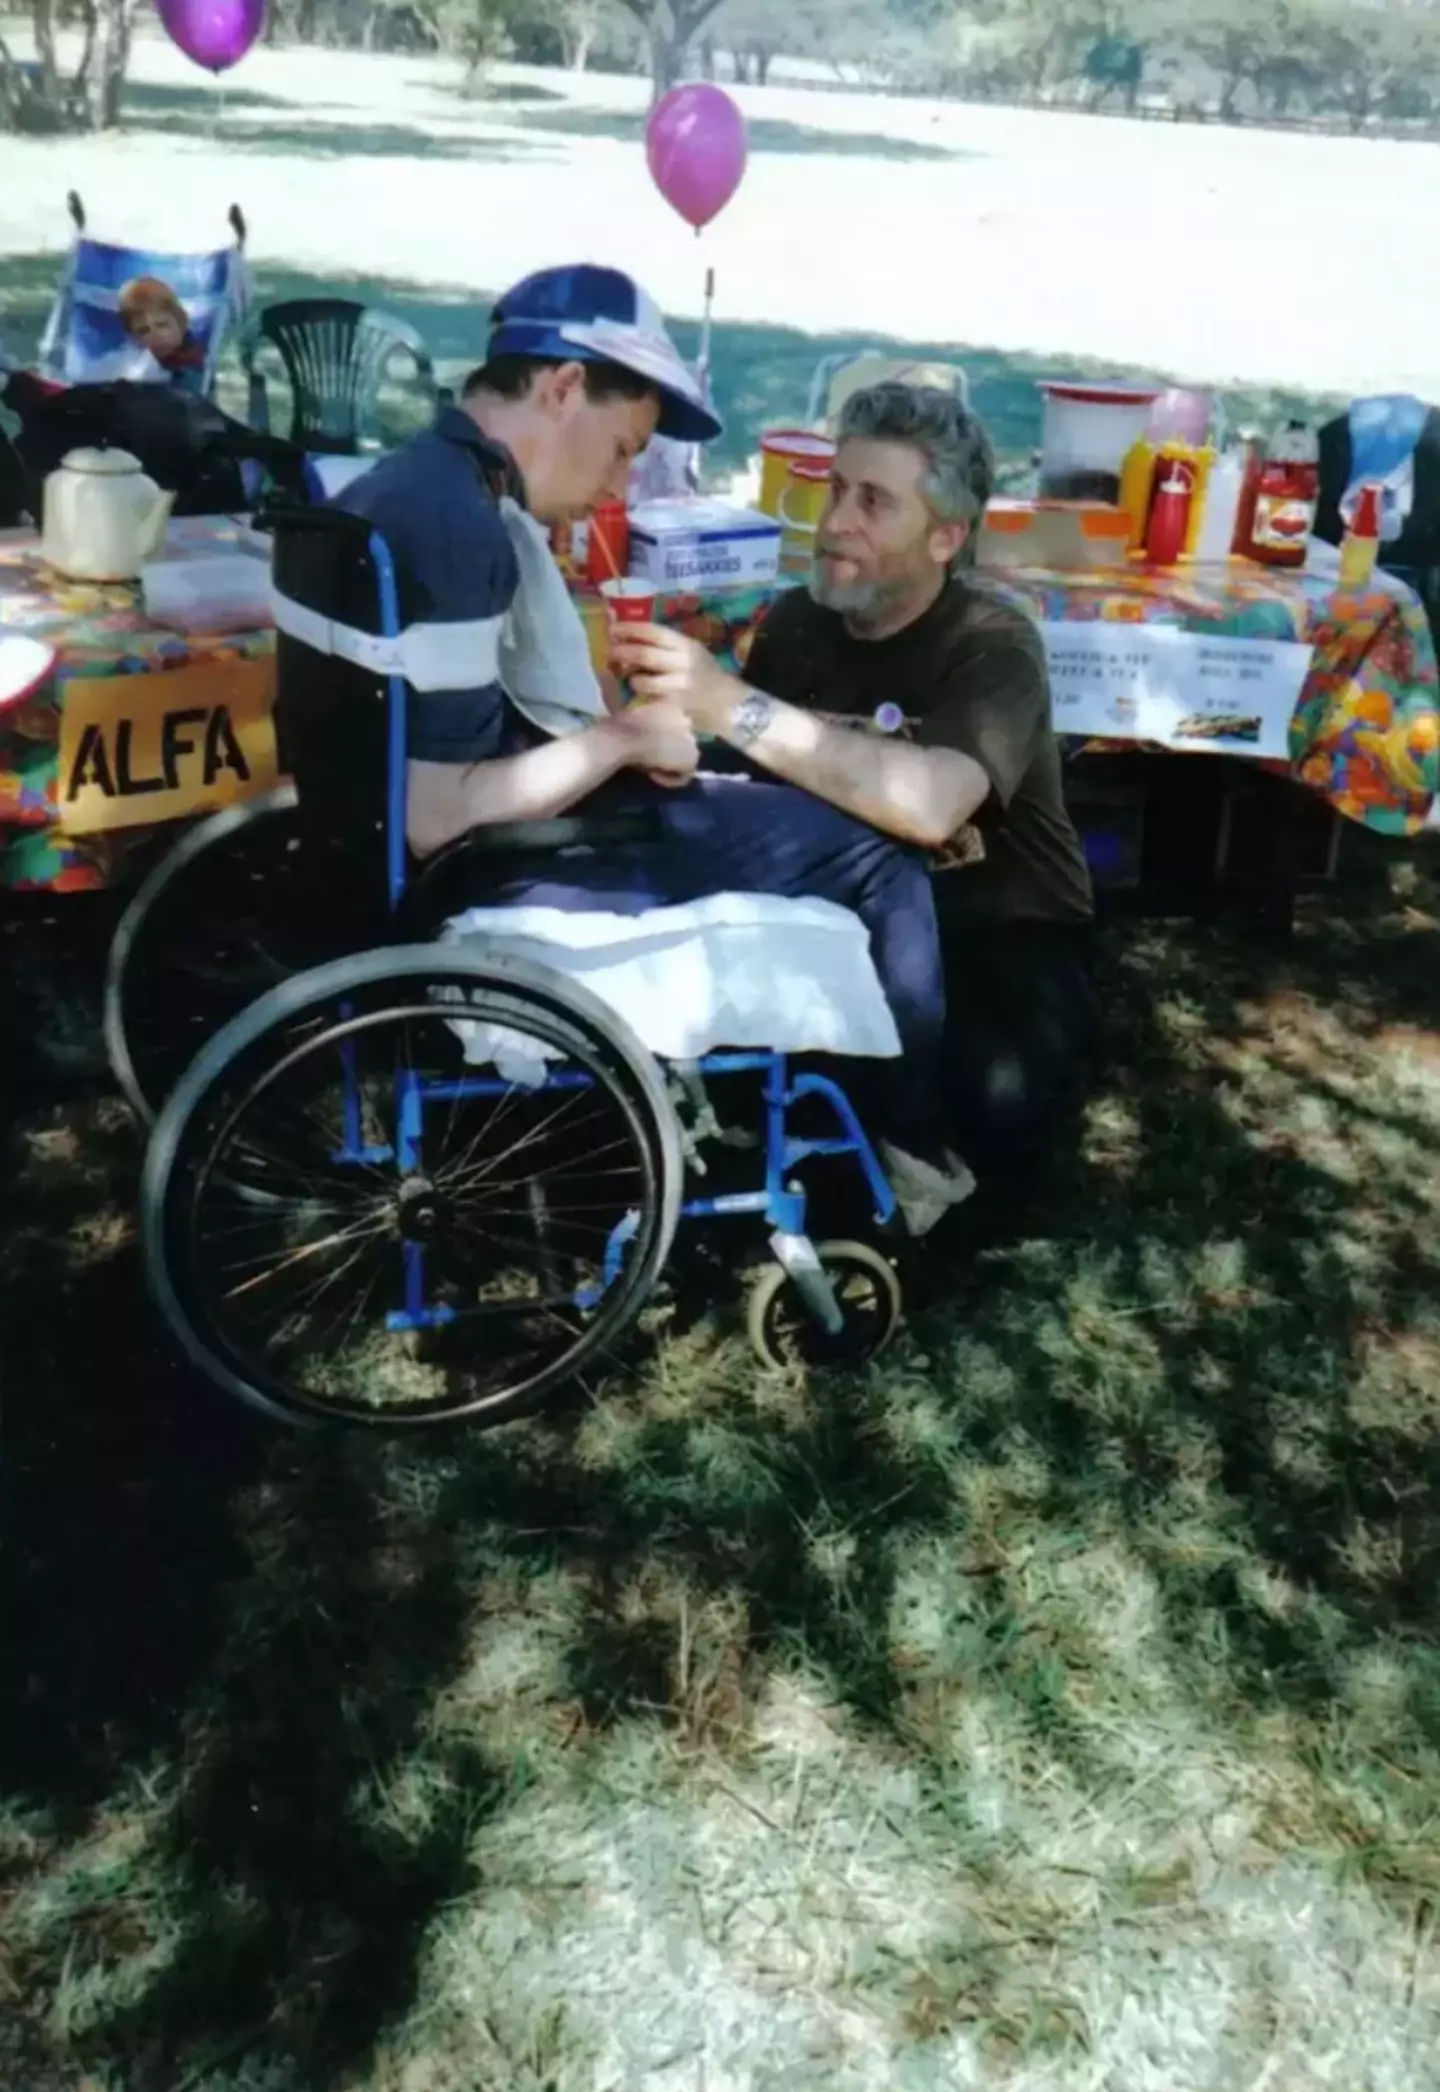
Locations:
column 924, row 1191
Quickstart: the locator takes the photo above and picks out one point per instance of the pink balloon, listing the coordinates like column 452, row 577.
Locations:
column 215, row 33
column 696, row 146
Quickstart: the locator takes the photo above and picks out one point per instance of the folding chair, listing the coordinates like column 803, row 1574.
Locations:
column 85, row 340
column 837, row 377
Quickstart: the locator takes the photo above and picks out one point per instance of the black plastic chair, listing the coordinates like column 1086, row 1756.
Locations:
column 336, row 355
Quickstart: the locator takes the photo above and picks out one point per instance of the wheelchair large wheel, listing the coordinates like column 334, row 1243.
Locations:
column 437, row 1241
column 208, row 931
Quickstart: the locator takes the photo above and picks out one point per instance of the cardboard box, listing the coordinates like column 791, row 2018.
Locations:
column 703, row 545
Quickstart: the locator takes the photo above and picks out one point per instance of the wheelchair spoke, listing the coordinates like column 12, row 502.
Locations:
column 420, row 1262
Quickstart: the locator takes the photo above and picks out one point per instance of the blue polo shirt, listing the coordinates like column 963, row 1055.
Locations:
column 435, row 503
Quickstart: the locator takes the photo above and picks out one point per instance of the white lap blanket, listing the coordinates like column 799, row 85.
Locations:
column 744, row 971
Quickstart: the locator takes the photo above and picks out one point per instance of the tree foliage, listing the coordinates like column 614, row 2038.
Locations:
column 1360, row 65
column 40, row 95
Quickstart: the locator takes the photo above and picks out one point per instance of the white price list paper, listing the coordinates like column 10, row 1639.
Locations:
column 1179, row 688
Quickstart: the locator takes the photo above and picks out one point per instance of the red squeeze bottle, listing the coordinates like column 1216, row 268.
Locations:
column 1169, row 523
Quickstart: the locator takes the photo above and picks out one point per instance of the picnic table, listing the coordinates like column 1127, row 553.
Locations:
column 142, row 726
column 139, row 727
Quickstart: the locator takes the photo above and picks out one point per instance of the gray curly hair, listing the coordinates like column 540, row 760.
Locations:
column 960, row 460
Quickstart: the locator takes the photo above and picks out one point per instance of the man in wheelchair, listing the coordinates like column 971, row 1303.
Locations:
column 579, row 375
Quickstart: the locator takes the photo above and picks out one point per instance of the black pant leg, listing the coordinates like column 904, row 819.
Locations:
column 1021, row 1040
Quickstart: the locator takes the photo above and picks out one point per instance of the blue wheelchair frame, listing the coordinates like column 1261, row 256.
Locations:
column 780, row 1201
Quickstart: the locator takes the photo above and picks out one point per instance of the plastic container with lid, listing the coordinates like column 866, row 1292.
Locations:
column 1088, row 432
column 223, row 592
column 780, row 451
column 1182, row 415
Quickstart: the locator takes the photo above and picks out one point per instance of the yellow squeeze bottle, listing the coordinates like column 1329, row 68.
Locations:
column 1137, row 480
column 1360, row 551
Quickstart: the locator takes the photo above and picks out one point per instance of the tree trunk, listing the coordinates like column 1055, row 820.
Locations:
column 763, row 61
column 117, row 64
column 43, row 18
column 669, row 54
column 102, row 76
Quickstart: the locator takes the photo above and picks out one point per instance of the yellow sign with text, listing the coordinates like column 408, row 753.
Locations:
column 164, row 747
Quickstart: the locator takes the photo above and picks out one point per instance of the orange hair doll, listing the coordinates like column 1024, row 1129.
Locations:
column 155, row 320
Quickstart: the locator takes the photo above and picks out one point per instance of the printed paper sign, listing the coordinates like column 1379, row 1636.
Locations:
column 166, row 746
column 1180, row 689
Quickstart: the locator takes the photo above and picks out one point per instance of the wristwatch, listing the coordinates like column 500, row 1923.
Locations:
column 751, row 717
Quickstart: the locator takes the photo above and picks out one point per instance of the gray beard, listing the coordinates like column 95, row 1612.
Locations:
column 862, row 600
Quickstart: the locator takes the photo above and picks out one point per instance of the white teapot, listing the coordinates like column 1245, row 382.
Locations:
column 103, row 517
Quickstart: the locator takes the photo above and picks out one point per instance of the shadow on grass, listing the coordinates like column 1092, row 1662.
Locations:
column 766, row 135
column 761, row 374
column 146, row 100
column 1219, row 1351
column 319, row 139
column 519, row 92
column 1216, row 1346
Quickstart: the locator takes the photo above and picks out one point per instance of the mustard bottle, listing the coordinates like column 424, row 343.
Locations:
column 1137, row 484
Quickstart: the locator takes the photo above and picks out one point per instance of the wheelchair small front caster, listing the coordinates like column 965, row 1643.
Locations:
column 784, row 1331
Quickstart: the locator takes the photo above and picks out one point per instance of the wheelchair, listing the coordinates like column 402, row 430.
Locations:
column 355, row 1208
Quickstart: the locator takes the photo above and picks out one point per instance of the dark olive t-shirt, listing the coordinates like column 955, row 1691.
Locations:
column 971, row 675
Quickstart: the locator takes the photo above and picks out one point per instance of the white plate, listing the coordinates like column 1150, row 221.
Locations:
column 24, row 665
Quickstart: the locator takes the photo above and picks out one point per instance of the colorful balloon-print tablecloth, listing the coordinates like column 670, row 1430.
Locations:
column 1365, row 732
column 98, row 632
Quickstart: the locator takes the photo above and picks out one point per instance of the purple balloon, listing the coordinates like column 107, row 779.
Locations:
column 695, row 144
column 215, row 33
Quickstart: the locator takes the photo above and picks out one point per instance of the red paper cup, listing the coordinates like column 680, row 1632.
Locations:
column 630, row 602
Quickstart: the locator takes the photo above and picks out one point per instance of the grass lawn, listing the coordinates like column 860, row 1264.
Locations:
column 1056, row 1708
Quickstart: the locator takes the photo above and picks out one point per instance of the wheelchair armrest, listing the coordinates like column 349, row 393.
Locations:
column 438, row 886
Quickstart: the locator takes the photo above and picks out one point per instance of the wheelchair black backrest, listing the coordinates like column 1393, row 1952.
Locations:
column 340, row 717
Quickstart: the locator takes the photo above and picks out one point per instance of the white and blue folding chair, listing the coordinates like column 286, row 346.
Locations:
column 85, row 340
column 838, row 377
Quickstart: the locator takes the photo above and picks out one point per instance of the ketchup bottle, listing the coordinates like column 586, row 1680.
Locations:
column 1169, row 524
column 1284, row 494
